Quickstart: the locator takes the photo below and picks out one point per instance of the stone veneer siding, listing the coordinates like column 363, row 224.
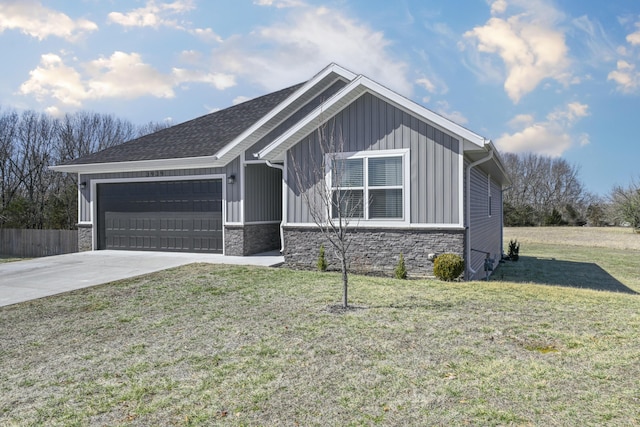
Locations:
column 374, row 251
column 251, row 239
column 85, row 237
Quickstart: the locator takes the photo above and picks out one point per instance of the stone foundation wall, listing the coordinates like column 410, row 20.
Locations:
column 374, row 250
column 251, row 239
column 85, row 237
column 234, row 240
column 261, row 238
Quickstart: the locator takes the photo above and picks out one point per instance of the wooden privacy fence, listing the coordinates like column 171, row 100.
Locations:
column 37, row 243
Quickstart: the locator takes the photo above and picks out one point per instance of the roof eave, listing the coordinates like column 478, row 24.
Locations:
column 141, row 165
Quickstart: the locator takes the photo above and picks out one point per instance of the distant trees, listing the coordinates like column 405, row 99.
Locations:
column 545, row 191
column 32, row 196
column 625, row 204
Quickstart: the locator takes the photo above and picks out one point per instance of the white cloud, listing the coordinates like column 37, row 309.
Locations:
column 530, row 45
column 240, row 99
column 220, row 81
column 521, row 120
column 550, row 137
column 279, row 3
column 153, row 14
column 634, row 38
column 306, row 41
column 206, row 34
column 122, row 75
column 498, row 6
column 626, row 76
column 427, row 84
column 592, row 35
column 53, row 79
column 35, row 20
column 444, row 109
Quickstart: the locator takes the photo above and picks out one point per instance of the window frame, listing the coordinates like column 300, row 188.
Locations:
column 405, row 187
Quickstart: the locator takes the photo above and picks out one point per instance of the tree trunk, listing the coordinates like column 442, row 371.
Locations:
column 345, row 282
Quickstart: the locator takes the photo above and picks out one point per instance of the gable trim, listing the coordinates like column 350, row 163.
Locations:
column 359, row 86
column 333, row 68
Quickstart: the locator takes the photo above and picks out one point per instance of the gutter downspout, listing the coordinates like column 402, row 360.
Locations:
column 468, row 185
column 281, row 167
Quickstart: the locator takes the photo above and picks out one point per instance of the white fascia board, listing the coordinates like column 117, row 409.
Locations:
column 142, row 165
column 332, row 68
column 336, row 102
column 274, row 150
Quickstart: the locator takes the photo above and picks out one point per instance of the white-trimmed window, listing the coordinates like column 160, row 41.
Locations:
column 371, row 186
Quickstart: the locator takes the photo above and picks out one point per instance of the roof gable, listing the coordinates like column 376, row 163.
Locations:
column 277, row 149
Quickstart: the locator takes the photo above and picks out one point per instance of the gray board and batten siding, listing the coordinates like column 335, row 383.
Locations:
column 370, row 123
column 263, row 193
column 485, row 220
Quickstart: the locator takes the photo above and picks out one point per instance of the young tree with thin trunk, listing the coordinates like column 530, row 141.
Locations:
column 324, row 180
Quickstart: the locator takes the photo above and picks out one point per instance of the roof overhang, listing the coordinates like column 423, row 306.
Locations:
column 277, row 149
column 495, row 167
column 142, row 165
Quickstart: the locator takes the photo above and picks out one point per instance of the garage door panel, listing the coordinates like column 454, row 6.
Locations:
column 164, row 216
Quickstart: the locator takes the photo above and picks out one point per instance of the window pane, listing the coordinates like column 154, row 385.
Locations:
column 385, row 171
column 385, row 203
column 349, row 203
column 348, row 173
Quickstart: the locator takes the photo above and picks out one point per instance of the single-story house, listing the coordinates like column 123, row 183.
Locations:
column 226, row 182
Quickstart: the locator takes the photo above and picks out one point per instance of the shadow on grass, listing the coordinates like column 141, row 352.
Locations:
column 550, row 271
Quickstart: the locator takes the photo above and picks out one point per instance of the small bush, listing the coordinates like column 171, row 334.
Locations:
column 448, row 267
column 322, row 261
column 401, row 270
column 514, row 250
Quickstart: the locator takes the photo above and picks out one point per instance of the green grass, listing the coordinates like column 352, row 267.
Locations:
column 216, row 345
column 5, row 258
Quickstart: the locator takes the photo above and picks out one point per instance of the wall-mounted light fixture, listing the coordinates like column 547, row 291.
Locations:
column 83, row 185
column 231, row 179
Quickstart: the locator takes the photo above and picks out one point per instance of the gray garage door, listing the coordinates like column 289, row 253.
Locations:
column 183, row 216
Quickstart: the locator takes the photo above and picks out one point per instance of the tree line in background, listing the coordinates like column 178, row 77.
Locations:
column 547, row 191
column 31, row 195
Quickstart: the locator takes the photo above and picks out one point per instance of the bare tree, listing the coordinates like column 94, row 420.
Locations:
column 625, row 204
column 83, row 133
column 152, row 127
column 324, row 180
column 540, row 185
column 36, row 139
column 10, row 185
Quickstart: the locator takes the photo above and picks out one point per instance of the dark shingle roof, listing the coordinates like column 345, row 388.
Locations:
column 203, row 136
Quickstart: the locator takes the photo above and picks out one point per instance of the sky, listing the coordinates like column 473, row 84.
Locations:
column 559, row 78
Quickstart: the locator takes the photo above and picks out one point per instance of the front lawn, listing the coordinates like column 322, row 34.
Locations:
column 208, row 345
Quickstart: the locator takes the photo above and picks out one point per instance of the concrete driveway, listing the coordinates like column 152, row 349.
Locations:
column 36, row 278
